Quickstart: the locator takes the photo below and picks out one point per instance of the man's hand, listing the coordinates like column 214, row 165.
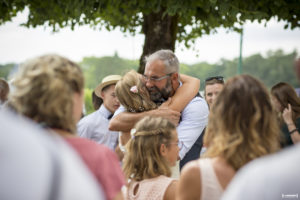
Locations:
column 165, row 112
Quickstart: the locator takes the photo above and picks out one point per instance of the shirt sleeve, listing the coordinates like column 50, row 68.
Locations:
column 194, row 119
column 83, row 129
column 110, row 173
column 119, row 110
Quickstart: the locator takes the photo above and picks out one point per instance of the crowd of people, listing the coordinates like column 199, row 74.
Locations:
column 151, row 136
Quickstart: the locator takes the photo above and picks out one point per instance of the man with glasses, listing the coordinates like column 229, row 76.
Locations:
column 161, row 78
column 213, row 86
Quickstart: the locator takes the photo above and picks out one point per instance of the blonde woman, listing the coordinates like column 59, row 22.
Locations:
column 287, row 105
column 49, row 90
column 151, row 152
column 242, row 126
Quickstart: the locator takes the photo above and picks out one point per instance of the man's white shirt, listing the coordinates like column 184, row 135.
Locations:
column 95, row 127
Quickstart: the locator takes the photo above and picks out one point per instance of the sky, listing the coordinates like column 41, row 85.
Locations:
column 18, row 44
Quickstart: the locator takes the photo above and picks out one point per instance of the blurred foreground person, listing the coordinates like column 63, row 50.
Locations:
column 242, row 126
column 49, row 90
column 151, row 152
column 279, row 173
column 287, row 105
column 38, row 165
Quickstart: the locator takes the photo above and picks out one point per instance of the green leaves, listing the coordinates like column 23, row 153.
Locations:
column 195, row 17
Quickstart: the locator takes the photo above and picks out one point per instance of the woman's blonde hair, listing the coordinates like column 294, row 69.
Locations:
column 242, row 124
column 143, row 159
column 138, row 101
column 44, row 89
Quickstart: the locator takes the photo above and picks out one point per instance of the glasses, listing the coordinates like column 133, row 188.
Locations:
column 218, row 78
column 156, row 79
column 179, row 144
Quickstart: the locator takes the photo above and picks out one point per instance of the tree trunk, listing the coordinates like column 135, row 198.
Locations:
column 160, row 33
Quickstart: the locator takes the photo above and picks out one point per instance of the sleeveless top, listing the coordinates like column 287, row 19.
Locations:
column 150, row 189
column 211, row 187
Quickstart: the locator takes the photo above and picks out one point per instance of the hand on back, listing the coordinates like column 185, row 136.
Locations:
column 165, row 112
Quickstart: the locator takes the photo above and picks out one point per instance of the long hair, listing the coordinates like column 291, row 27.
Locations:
column 286, row 94
column 138, row 101
column 4, row 90
column 44, row 89
column 242, row 124
column 143, row 159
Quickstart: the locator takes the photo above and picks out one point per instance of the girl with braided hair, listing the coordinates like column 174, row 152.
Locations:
column 150, row 153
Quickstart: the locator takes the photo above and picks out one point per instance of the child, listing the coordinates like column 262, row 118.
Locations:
column 151, row 152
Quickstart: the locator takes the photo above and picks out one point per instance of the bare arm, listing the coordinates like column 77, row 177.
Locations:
column 287, row 117
column 171, row 191
column 183, row 95
column 189, row 187
column 125, row 121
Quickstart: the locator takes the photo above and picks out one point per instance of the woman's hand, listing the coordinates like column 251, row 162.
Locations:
column 287, row 115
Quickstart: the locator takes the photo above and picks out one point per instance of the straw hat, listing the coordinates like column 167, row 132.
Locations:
column 108, row 80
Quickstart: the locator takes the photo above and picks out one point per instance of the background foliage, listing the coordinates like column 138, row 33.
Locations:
column 276, row 66
column 163, row 22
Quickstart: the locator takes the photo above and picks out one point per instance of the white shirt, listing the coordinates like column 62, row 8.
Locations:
column 95, row 127
column 268, row 178
column 194, row 118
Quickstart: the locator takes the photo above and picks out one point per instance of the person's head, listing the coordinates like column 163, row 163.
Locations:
column 213, row 86
column 242, row 123
column 132, row 93
column 152, row 149
column 49, row 90
column 161, row 75
column 4, row 90
column 106, row 91
column 284, row 94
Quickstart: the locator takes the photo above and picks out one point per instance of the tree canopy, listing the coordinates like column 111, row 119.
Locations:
column 162, row 21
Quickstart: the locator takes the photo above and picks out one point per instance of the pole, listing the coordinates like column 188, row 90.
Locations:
column 240, row 65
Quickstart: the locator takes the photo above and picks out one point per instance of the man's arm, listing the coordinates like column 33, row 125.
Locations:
column 194, row 120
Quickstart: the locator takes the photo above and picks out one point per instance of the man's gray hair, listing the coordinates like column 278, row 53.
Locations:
column 168, row 57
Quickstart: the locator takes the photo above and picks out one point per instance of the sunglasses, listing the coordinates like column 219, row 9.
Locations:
column 218, row 78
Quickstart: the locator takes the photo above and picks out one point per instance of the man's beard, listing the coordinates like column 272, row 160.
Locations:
column 157, row 95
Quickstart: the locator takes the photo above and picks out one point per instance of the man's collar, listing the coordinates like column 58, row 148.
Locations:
column 105, row 112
